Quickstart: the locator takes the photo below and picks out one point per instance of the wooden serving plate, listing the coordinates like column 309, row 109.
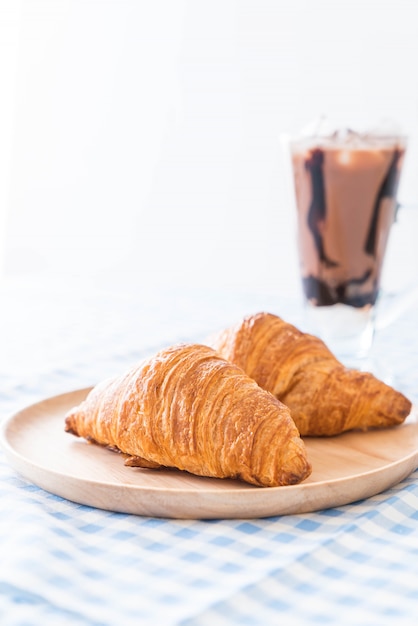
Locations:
column 346, row 468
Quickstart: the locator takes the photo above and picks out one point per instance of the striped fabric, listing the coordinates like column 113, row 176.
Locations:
column 71, row 565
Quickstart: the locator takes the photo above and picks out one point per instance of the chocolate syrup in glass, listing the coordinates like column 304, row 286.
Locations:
column 350, row 291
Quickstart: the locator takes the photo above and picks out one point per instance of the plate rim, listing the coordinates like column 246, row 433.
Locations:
column 235, row 490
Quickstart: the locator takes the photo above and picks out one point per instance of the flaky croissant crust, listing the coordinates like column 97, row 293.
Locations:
column 324, row 397
column 189, row 408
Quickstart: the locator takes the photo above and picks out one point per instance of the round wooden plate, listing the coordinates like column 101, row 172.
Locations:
column 346, row 468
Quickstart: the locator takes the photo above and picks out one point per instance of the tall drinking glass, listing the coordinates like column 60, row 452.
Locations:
column 345, row 188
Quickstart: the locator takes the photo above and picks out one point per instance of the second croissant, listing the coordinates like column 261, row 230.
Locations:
column 325, row 398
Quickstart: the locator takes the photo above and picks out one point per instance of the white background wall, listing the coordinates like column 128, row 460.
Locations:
column 143, row 136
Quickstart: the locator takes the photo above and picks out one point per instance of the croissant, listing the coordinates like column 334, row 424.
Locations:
column 323, row 396
column 188, row 408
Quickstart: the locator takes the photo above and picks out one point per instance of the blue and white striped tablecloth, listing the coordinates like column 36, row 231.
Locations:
column 66, row 564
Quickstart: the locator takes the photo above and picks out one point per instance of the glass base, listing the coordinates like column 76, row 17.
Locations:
column 347, row 331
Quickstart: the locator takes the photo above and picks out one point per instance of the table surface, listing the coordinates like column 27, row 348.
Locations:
column 64, row 563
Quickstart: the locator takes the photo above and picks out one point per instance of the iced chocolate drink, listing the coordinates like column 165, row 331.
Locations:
column 346, row 186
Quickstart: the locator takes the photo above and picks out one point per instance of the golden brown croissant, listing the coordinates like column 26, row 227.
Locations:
column 189, row 408
column 323, row 396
